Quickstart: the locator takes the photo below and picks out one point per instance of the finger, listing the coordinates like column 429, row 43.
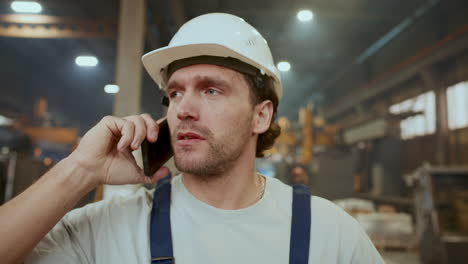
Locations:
column 114, row 124
column 120, row 129
column 127, row 129
column 140, row 130
column 158, row 175
column 152, row 127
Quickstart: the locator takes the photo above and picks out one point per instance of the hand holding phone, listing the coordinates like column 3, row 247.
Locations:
column 155, row 154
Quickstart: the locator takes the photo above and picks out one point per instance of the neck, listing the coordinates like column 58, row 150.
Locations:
column 237, row 188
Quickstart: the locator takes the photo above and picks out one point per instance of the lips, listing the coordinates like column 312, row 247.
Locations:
column 188, row 135
column 188, row 138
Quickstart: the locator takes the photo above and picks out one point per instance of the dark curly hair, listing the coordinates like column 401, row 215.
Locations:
column 261, row 90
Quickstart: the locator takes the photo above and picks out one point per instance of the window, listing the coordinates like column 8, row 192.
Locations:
column 457, row 105
column 421, row 124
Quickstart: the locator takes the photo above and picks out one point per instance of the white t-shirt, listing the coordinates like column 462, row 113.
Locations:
column 117, row 231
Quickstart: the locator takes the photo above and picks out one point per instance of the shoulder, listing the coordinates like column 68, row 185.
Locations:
column 326, row 216
column 320, row 207
column 338, row 230
column 115, row 207
column 328, row 210
column 84, row 233
column 329, row 218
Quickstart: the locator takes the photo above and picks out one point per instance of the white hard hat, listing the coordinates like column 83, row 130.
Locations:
column 218, row 35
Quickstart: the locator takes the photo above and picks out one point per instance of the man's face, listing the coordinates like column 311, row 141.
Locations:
column 210, row 117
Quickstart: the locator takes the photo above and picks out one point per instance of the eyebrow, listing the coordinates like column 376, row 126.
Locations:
column 172, row 85
column 201, row 80
column 206, row 80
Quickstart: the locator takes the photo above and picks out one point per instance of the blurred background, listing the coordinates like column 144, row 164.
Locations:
column 374, row 113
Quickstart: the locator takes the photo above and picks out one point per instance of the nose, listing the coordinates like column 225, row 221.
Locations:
column 187, row 108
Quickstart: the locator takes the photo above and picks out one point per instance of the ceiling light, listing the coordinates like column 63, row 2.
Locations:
column 305, row 15
column 111, row 88
column 86, row 61
column 284, row 66
column 26, row 7
column 5, row 121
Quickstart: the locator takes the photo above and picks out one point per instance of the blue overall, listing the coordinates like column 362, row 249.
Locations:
column 161, row 237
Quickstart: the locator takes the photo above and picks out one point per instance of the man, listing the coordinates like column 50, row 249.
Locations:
column 299, row 175
column 223, row 91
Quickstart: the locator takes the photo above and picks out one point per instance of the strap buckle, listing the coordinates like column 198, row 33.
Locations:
column 163, row 260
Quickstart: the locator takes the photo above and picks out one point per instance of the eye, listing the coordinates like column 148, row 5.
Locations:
column 174, row 94
column 212, row 92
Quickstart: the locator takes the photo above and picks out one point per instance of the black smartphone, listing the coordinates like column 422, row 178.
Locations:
column 156, row 154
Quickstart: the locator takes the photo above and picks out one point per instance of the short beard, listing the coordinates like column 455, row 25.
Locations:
column 217, row 161
column 221, row 156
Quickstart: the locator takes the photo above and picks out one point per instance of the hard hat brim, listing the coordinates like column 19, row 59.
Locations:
column 157, row 61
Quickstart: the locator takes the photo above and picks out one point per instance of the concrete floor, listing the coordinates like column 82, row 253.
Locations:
column 401, row 257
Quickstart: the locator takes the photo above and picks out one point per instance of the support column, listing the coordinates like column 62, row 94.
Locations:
column 130, row 45
column 441, row 115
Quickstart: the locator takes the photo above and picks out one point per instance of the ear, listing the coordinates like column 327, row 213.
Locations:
column 263, row 114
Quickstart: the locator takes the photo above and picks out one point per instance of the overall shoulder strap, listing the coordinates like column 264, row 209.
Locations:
column 300, row 225
column 160, row 225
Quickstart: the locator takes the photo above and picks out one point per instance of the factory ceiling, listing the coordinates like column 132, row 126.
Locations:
column 341, row 35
